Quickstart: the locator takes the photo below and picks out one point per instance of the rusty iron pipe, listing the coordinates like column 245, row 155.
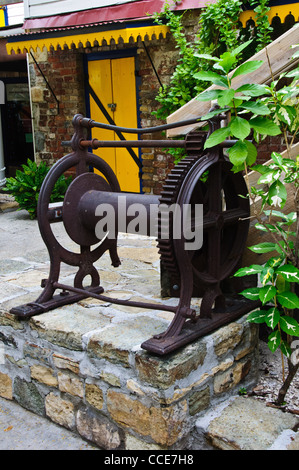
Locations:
column 92, row 199
column 95, row 143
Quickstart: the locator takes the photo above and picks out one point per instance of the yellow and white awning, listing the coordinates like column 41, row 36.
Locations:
column 63, row 38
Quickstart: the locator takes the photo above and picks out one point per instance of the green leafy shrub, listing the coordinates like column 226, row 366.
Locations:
column 219, row 31
column 260, row 111
column 26, row 185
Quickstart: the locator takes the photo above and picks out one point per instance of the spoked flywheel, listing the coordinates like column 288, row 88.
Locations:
column 210, row 182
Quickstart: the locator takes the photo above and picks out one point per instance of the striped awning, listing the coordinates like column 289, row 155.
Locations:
column 74, row 37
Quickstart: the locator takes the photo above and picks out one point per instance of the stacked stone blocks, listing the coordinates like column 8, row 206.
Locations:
column 95, row 380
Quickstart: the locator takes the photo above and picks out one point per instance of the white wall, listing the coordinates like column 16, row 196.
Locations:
column 15, row 13
column 39, row 8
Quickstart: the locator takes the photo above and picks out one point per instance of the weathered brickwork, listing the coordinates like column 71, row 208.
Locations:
column 64, row 72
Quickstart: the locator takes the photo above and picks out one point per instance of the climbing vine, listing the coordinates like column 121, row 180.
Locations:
column 263, row 28
column 182, row 87
column 219, row 31
column 219, row 27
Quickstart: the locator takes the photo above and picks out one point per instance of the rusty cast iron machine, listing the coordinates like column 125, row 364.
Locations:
column 202, row 177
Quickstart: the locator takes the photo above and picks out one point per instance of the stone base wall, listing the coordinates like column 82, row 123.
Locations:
column 91, row 379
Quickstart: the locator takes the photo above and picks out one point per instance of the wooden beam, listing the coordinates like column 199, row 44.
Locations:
column 280, row 54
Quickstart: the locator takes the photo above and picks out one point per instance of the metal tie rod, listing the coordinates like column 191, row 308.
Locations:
column 95, row 143
column 105, row 298
column 86, row 122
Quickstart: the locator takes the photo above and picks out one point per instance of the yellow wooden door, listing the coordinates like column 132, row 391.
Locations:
column 113, row 81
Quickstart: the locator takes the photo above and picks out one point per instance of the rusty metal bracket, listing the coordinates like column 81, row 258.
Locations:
column 201, row 178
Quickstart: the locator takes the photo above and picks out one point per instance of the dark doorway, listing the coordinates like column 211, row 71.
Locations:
column 16, row 125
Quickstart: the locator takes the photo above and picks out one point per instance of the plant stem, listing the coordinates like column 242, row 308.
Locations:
column 287, row 382
column 281, row 357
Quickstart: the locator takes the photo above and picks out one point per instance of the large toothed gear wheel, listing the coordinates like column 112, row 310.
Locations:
column 209, row 181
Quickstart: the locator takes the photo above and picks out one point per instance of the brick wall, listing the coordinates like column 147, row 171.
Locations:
column 267, row 146
column 64, row 72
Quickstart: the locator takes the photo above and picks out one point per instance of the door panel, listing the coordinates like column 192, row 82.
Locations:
column 113, row 80
column 100, row 80
column 124, row 95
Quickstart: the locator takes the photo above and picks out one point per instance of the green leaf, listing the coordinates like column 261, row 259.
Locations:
column 217, row 137
column 213, row 113
column 206, row 56
column 226, row 61
column 269, row 176
column 277, row 158
column 286, row 114
column 240, row 48
column 209, row 95
column 289, row 325
column 274, row 340
column 289, row 272
column 238, row 153
column 248, row 271
column 277, row 194
column 274, row 213
column 211, row 77
column 240, row 127
column 267, row 293
column 252, row 293
column 237, row 102
column 258, row 316
column 288, row 219
column 285, row 348
column 247, row 67
column 293, row 73
column 260, row 169
column 261, row 227
column 272, row 317
column 251, row 153
column 225, row 97
column 288, row 300
column 264, row 126
column 281, row 284
column 266, row 274
column 252, row 90
column 264, row 247
column 256, row 108
column 274, row 261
